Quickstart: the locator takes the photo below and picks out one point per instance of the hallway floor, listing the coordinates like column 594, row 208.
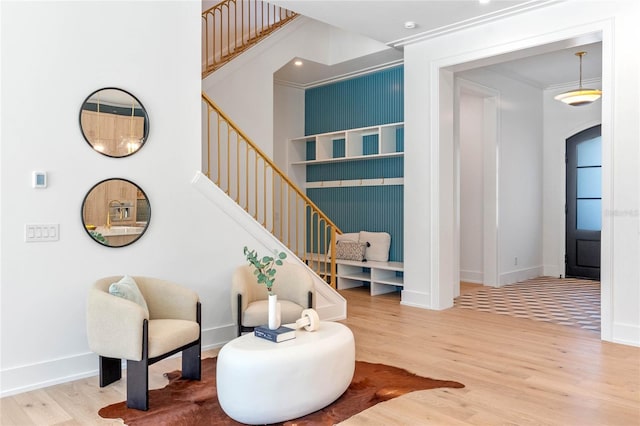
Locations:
column 565, row 301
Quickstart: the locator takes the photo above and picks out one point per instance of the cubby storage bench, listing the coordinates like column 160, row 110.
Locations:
column 381, row 276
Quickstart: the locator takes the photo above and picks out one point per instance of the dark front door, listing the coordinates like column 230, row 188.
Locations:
column 584, row 204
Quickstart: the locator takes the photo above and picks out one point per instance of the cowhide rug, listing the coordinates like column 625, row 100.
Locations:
column 190, row 402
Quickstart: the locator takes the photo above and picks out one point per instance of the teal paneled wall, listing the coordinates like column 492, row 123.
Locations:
column 311, row 150
column 369, row 100
column 362, row 169
column 370, row 145
column 338, row 148
column 400, row 139
column 365, row 101
column 367, row 208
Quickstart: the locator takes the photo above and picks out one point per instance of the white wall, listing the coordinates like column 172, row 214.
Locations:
column 560, row 122
column 53, row 55
column 288, row 119
column 426, row 137
column 519, row 175
column 471, row 187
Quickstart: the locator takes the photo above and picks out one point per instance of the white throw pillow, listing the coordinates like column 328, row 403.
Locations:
column 350, row 236
column 128, row 289
column 380, row 242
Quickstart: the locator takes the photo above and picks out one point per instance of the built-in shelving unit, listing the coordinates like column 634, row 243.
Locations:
column 346, row 145
column 382, row 277
column 364, row 143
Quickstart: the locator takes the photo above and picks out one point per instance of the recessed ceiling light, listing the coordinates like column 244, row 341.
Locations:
column 484, row 1
column 409, row 25
column 298, row 63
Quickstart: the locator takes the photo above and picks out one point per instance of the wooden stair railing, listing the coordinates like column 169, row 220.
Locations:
column 233, row 26
column 252, row 179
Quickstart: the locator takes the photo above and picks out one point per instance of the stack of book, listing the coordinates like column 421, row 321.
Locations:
column 278, row 335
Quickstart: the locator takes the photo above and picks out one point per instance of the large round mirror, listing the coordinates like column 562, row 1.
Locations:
column 116, row 212
column 114, row 122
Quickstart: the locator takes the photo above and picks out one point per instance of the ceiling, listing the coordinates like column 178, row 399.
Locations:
column 543, row 67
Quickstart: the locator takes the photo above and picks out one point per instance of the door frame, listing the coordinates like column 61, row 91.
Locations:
column 442, row 258
column 491, row 169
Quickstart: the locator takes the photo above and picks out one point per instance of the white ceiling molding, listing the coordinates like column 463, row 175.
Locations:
column 336, row 78
column 472, row 22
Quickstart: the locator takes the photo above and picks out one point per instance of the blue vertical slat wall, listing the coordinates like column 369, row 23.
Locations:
column 364, row 101
column 369, row 100
column 338, row 148
column 311, row 150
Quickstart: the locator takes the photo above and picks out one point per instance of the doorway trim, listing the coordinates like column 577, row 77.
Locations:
column 445, row 264
column 491, row 172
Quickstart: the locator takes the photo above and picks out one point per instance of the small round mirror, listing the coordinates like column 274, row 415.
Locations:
column 114, row 122
column 116, row 212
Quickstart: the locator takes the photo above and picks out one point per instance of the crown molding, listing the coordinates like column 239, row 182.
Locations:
column 341, row 77
column 473, row 22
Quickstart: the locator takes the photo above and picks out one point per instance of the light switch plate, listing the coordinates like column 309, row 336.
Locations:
column 36, row 232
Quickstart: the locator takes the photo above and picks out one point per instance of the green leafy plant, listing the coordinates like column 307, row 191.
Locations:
column 265, row 267
column 98, row 236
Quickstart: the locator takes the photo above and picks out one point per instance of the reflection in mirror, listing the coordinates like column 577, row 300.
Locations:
column 116, row 212
column 114, row 122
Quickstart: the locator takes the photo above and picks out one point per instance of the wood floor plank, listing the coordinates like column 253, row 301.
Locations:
column 41, row 408
column 515, row 371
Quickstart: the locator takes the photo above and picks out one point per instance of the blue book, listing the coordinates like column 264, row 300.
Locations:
column 278, row 335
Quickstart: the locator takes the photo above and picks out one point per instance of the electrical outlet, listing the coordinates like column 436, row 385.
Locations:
column 34, row 233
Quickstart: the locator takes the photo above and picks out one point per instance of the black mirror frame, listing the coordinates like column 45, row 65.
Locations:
column 146, row 122
column 93, row 237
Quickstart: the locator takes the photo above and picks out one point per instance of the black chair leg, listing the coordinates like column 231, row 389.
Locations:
column 138, row 375
column 138, row 384
column 191, row 363
column 110, row 370
column 239, row 315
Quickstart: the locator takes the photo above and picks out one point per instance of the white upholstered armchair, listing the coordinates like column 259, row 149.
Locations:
column 249, row 305
column 165, row 321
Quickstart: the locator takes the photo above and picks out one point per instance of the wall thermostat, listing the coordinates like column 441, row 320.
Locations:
column 39, row 179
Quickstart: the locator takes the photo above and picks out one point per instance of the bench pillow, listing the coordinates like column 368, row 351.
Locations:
column 380, row 242
column 351, row 250
column 349, row 236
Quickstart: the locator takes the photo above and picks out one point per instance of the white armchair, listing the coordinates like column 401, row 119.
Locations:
column 118, row 328
column 249, row 300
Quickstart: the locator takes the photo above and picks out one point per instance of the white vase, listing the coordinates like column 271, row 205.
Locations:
column 274, row 312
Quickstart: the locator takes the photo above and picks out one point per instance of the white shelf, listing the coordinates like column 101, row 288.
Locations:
column 354, row 145
column 355, row 182
column 355, row 158
column 381, row 277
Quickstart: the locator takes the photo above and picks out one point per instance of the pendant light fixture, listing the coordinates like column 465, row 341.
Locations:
column 580, row 96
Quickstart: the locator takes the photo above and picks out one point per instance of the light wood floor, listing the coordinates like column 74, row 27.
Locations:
column 516, row 372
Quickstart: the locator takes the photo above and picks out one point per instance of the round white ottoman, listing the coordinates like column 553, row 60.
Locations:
column 265, row 382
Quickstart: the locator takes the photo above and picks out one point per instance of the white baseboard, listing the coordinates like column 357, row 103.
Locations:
column 26, row 378
column 626, row 334
column 47, row 373
column 553, row 270
column 476, row 277
column 415, row 299
column 520, row 275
